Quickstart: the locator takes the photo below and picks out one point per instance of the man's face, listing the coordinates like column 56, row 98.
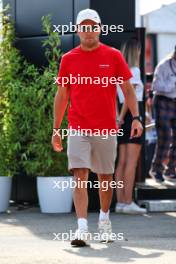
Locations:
column 89, row 33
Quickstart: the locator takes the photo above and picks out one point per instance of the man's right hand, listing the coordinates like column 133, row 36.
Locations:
column 56, row 141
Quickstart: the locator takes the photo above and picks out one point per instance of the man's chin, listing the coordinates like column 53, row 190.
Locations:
column 90, row 43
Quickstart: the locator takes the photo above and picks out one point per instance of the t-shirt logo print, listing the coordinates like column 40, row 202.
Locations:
column 105, row 66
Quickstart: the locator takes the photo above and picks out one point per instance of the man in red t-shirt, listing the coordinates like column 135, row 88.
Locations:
column 88, row 76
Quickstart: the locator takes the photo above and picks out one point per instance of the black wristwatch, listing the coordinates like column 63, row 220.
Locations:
column 139, row 118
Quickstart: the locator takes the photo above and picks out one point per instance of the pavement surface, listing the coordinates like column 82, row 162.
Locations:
column 30, row 237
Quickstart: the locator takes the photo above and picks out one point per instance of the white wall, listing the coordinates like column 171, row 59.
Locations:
column 165, row 45
column 162, row 20
column 137, row 14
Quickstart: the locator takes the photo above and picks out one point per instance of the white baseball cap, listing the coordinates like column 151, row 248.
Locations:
column 88, row 14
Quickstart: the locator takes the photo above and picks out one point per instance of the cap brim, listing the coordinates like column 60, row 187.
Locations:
column 94, row 20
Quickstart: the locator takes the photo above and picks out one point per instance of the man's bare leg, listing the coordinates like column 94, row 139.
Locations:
column 105, row 193
column 80, row 198
column 80, row 195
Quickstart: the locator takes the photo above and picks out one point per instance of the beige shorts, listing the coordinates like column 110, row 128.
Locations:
column 93, row 152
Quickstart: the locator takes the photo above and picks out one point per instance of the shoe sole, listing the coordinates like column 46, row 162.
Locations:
column 135, row 213
column 122, row 212
column 79, row 243
column 169, row 179
column 118, row 211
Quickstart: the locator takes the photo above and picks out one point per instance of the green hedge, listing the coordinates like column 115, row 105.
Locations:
column 26, row 103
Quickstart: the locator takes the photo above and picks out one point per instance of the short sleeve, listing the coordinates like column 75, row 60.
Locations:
column 122, row 68
column 63, row 74
column 136, row 78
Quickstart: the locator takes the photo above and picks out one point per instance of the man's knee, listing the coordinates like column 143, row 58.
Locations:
column 81, row 176
column 105, row 181
column 80, row 172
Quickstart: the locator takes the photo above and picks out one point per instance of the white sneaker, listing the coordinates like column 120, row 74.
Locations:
column 119, row 207
column 133, row 208
column 81, row 238
column 105, row 231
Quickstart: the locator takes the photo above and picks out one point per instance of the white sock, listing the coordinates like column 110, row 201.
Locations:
column 82, row 223
column 103, row 216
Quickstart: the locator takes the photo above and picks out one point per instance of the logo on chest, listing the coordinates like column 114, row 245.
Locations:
column 104, row 66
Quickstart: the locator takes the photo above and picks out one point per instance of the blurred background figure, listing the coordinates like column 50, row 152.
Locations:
column 164, row 86
column 129, row 148
column 150, row 134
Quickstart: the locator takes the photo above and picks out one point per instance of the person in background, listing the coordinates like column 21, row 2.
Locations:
column 164, row 85
column 129, row 148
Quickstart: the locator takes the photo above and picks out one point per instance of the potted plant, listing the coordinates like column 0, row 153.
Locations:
column 39, row 158
column 27, row 94
column 5, row 175
column 8, row 68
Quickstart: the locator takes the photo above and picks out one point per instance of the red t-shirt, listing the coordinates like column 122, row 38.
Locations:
column 93, row 103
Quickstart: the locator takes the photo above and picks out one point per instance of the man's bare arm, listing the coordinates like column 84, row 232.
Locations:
column 60, row 105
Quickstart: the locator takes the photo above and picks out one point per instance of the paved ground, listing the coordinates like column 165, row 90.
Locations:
column 26, row 237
